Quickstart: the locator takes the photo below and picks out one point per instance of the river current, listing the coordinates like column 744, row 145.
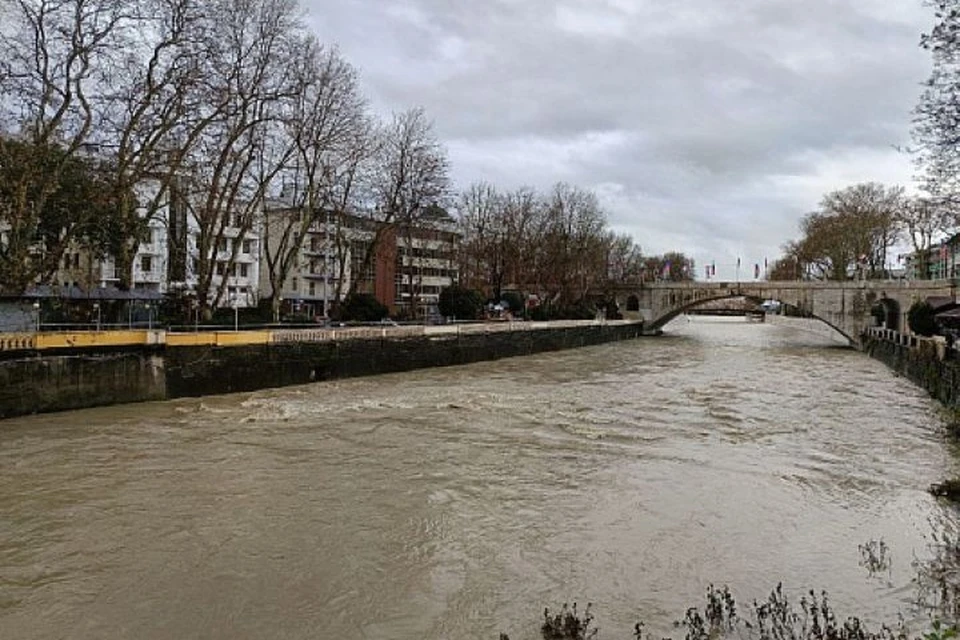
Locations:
column 458, row 502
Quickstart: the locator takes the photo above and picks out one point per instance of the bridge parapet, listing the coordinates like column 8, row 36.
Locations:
column 845, row 306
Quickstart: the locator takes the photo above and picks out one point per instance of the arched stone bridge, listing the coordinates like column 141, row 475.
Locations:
column 845, row 306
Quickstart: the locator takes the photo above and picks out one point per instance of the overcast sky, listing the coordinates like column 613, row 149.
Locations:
column 705, row 126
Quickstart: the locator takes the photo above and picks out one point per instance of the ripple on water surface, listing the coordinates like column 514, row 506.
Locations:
column 458, row 502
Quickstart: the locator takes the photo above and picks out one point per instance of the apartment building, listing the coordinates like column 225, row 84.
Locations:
column 425, row 264
column 409, row 267
column 942, row 261
column 166, row 258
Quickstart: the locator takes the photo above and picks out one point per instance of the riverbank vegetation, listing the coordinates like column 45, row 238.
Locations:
column 811, row 616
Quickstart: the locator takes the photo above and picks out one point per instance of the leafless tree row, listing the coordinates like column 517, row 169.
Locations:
column 210, row 105
column 852, row 232
column 555, row 243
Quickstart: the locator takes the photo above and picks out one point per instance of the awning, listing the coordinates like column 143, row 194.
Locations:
column 940, row 302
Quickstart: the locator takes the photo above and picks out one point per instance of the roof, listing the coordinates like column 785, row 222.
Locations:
column 940, row 302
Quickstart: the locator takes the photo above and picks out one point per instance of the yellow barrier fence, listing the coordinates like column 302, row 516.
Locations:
column 218, row 338
column 86, row 339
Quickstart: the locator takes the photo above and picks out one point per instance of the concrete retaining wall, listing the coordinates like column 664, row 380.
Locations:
column 53, row 383
column 59, row 383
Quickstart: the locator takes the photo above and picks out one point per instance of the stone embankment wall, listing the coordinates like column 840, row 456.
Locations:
column 82, row 378
column 926, row 362
column 63, row 382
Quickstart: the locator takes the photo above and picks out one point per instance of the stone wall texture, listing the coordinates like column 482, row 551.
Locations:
column 922, row 365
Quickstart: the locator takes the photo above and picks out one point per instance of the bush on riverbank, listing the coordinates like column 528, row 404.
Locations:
column 775, row 618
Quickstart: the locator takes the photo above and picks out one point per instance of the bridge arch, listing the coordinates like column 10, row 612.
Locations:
column 886, row 313
column 657, row 324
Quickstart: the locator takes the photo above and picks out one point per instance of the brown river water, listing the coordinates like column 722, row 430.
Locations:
column 458, row 502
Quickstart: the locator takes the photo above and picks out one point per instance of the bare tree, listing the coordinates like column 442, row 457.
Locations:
column 923, row 219
column 624, row 259
column 868, row 214
column 55, row 56
column 331, row 140
column 483, row 217
column 249, row 82
column 523, row 210
column 573, row 254
column 153, row 120
column 411, row 175
column 936, row 130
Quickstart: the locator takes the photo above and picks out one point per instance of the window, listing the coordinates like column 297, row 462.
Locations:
column 222, row 244
column 221, row 268
column 313, row 289
column 294, row 284
column 146, row 264
column 247, row 246
column 243, row 270
column 76, row 261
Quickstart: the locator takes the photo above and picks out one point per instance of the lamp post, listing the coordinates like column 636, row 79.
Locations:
column 96, row 306
column 236, row 314
column 149, row 317
column 36, row 308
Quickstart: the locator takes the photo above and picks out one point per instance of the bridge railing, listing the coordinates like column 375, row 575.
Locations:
column 943, row 347
column 890, row 335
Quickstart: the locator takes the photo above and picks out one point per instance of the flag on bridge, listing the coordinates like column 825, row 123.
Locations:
column 756, row 271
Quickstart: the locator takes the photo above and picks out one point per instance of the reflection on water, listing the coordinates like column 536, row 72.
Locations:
column 456, row 503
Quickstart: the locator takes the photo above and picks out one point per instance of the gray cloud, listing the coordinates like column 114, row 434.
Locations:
column 705, row 126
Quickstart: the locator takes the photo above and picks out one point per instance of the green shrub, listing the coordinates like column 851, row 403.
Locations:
column 460, row 302
column 363, row 307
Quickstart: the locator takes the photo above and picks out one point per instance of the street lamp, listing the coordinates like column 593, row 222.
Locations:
column 149, row 317
column 36, row 307
column 96, row 306
column 236, row 314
